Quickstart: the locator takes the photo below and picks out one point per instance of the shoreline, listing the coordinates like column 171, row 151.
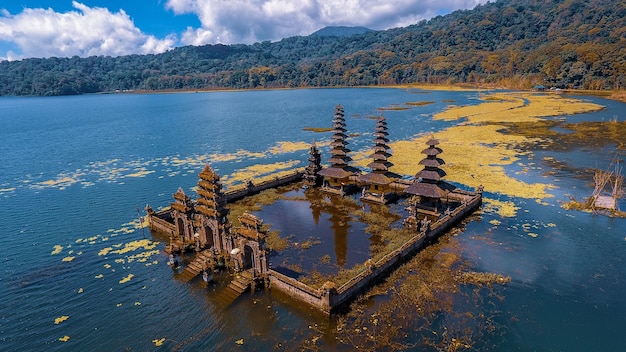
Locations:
column 619, row 95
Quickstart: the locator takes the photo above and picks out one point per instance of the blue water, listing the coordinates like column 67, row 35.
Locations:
column 74, row 170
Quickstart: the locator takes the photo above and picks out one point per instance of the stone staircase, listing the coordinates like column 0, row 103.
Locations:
column 194, row 268
column 240, row 284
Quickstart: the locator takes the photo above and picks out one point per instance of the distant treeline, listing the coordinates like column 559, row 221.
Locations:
column 511, row 43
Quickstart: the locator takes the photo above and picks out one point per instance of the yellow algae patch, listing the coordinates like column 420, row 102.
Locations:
column 288, row 147
column 61, row 319
column 255, row 171
column 193, row 161
column 127, row 278
column 141, row 173
column 107, row 266
column 60, row 183
column 105, row 251
column 505, row 209
column 240, row 154
column 490, row 150
column 135, row 245
column 7, row 190
column 158, row 342
column 64, row 338
column 518, row 107
column 532, row 234
column 68, row 259
column 497, row 104
column 57, row 249
column 143, row 256
column 495, row 222
column 100, row 276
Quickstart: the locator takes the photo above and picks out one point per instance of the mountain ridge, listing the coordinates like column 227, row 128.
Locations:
column 510, row 43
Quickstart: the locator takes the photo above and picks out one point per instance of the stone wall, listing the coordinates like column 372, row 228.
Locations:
column 251, row 189
column 299, row 291
column 161, row 225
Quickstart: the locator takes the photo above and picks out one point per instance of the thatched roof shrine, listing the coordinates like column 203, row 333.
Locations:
column 427, row 182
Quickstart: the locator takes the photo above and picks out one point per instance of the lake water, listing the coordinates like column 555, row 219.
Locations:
column 76, row 274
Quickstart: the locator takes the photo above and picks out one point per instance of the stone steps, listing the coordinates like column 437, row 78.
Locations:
column 234, row 289
column 195, row 267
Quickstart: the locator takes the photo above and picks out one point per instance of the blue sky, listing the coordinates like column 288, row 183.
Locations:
column 63, row 28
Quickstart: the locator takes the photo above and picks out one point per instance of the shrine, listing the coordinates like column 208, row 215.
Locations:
column 339, row 177
column 377, row 185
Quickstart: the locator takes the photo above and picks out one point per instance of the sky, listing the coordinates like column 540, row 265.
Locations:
column 65, row 28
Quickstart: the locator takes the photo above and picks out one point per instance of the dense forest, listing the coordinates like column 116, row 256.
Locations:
column 509, row 43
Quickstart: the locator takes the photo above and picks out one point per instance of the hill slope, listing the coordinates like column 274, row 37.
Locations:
column 514, row 43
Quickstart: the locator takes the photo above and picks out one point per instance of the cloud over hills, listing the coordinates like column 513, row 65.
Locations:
column 96, row 30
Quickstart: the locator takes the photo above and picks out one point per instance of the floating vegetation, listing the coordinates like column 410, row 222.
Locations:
column 481, row 279
column 57, row 249
column 258, row 171
column 61, row 319
column 60, row 183
column 68, row 259
column 407, row 305
column 126, row 279
column 317, row 129
column 394, row 107
column 64, row 338
column 505, row 209
column 158, row 342
column 419, row 103
column 517, row 107
column 289, row 147
column 495, row 148
column 275, row 242
column 308, row 243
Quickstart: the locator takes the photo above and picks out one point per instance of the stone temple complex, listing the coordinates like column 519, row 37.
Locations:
column 202, row 226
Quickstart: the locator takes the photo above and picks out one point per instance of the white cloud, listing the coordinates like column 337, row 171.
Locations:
column 85, row 32
column 248, row 21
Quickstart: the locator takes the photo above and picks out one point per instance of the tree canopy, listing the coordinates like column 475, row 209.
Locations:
column 512, row 43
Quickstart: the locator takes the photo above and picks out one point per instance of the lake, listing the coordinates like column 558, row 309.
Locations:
column 80, row 274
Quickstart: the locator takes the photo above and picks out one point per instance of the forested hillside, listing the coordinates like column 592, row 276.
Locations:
column 511, row 43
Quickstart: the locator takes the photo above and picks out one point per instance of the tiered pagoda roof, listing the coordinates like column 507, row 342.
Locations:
column 211, row 200
column 182, row 202
column 381, row 153
column 427, row 182
column 339, row 159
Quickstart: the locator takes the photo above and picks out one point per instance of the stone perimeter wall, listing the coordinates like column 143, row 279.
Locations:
column 238, row 194
column 331, row 299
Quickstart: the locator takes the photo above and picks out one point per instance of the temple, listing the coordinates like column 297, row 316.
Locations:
column 202, row 227
column 339, row 177
column 377, row 185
